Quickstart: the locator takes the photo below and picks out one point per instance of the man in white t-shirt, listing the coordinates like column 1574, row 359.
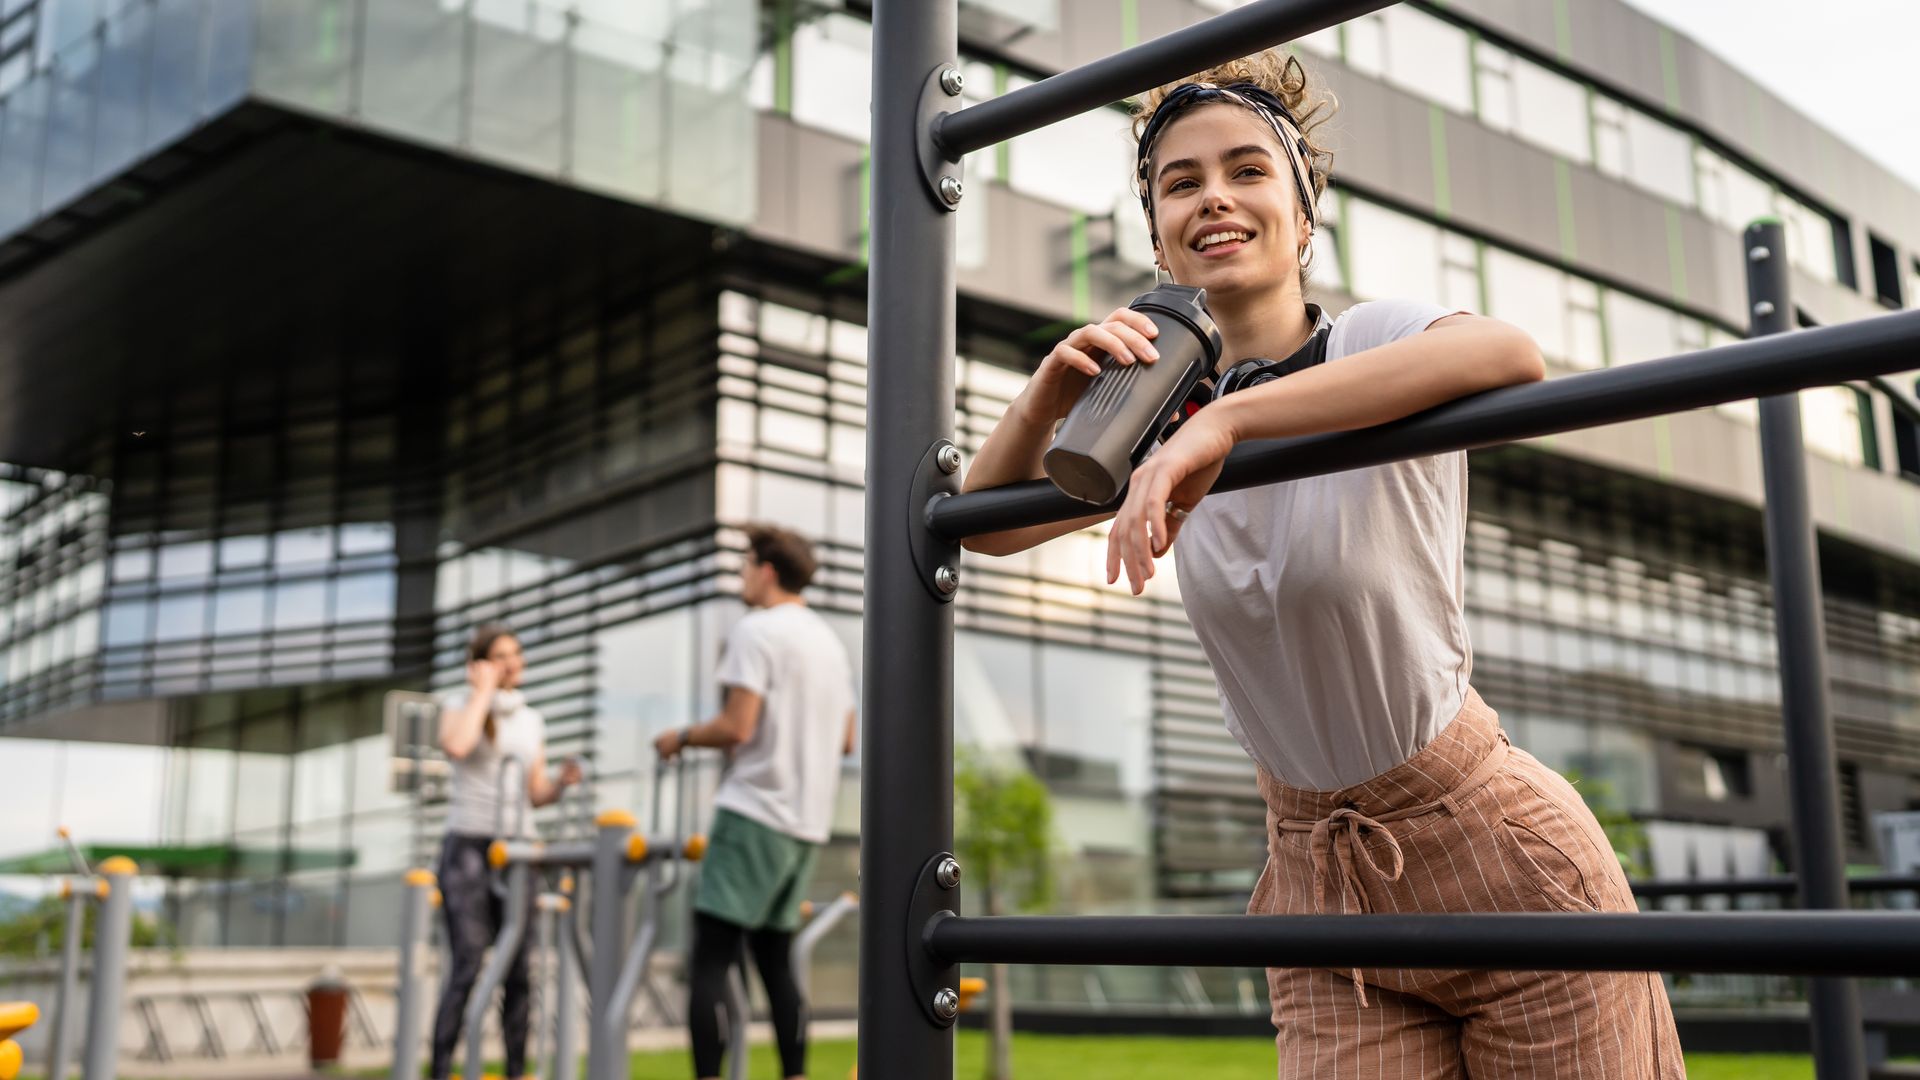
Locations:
column 786, row 721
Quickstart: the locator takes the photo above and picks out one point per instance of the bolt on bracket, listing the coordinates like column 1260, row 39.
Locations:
column 938, row 96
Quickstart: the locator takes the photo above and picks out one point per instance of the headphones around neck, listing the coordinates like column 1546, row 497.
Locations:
column 1248, row 373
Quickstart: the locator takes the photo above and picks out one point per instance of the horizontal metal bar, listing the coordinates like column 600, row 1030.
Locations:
column 537, row 853
column 1778, row 364
column 1776, row 885
column 1876, row 943
column 1147, row 65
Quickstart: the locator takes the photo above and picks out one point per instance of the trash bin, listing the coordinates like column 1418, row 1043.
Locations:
column 326, row 1017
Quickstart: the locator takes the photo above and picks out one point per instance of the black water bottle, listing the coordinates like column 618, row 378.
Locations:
column 1115, row 420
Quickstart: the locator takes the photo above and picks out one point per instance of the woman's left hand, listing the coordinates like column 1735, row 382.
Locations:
column 1176, row 477
column 570, row 772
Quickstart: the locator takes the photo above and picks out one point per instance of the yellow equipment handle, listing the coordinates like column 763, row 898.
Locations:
column 15, row 1017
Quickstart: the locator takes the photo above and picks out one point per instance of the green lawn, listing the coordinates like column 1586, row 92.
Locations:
column 1064, row 1057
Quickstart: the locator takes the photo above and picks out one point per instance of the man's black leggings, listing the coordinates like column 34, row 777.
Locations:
column 716, row 947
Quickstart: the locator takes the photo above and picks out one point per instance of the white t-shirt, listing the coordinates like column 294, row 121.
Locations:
column 473, row 806
column 1331, row 607
column 786, row 775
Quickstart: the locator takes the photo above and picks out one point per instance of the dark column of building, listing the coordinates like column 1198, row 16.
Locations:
column 419, row 438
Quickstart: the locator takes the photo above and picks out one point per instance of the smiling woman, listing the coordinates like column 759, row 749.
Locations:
column 1331, row 607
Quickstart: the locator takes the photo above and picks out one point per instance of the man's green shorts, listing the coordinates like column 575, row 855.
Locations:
column 753, row 876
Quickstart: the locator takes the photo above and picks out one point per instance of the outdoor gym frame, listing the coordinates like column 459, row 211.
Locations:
column 911, row 939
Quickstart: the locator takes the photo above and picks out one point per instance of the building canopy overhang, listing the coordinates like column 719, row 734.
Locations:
column 274, row 239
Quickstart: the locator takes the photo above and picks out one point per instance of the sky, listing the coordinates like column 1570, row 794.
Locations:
column 1850, row 69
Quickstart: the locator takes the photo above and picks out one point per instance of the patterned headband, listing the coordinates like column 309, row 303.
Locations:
column 1247, row 95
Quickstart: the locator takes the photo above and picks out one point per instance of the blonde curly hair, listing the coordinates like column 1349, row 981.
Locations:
column 1309, row 106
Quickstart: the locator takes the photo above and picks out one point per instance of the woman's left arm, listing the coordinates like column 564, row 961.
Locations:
column 1454, row 357
column 542, row 789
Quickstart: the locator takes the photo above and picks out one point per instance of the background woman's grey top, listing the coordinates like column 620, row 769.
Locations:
column 473, row 807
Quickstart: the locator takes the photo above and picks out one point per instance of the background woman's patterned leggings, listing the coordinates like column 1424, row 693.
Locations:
column 473, row 915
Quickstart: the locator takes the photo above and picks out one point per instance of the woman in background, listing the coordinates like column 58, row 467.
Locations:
column 480, row 727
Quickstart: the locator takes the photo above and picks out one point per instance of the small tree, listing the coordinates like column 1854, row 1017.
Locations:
column 43, row 926
column 1625, row 834
column 1004, row 837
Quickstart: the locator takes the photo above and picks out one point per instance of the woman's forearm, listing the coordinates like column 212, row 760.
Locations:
column 1013, row 452
column 1451, row 360
column 541, row 790
column 460, row 728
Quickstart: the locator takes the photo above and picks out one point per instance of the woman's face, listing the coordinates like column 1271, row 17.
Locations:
column 1226, row 217
column 505, row 653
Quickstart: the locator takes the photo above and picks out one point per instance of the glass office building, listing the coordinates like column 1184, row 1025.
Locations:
column 330, row 328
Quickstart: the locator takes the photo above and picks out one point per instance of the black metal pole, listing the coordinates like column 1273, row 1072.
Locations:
column 1147, row 65
column 1793, row 560
column 1880, row 943
column 906, row 781
column 1747, row 369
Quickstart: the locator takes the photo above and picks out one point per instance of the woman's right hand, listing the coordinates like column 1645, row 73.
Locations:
column 483, row 675
column 1064, row 373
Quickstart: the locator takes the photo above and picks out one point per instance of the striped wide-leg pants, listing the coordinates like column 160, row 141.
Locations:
column 1469, row 824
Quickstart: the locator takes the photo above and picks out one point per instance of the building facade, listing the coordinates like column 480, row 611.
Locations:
column 329, row 328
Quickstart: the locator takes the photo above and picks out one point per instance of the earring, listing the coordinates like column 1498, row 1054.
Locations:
column 1306, row 255
column 1158, row 270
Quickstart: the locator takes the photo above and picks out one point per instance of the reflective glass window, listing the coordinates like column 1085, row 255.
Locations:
column 1393, row 255
column 1729, row 194
column 127, row 622
column 1830, row 419
column 517, row 106
column 1324, row 268
column 188, row 560
column 1428, row 57
column 180, row 616
column 1638, row 330
column 303, row 547
column 1532, row 296
column 994, row 690
column 1096, row 709
column 363, row 597
column 1493, row 69
column 299, row 603
column 833, row 74
column 1610, row 154
column 1084, row 162
column 1321, row 42
column 366, row 538
column 1550, row 110
column 411, row 68
column 1810, row 237
column 797, row 503
column 240, row 610
column 1459, row 272
column 1660, row 157
column 240, row 552
column 133, row 564
column 1366, row 44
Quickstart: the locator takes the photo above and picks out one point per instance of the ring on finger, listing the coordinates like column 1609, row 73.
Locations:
column 1176, row 513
